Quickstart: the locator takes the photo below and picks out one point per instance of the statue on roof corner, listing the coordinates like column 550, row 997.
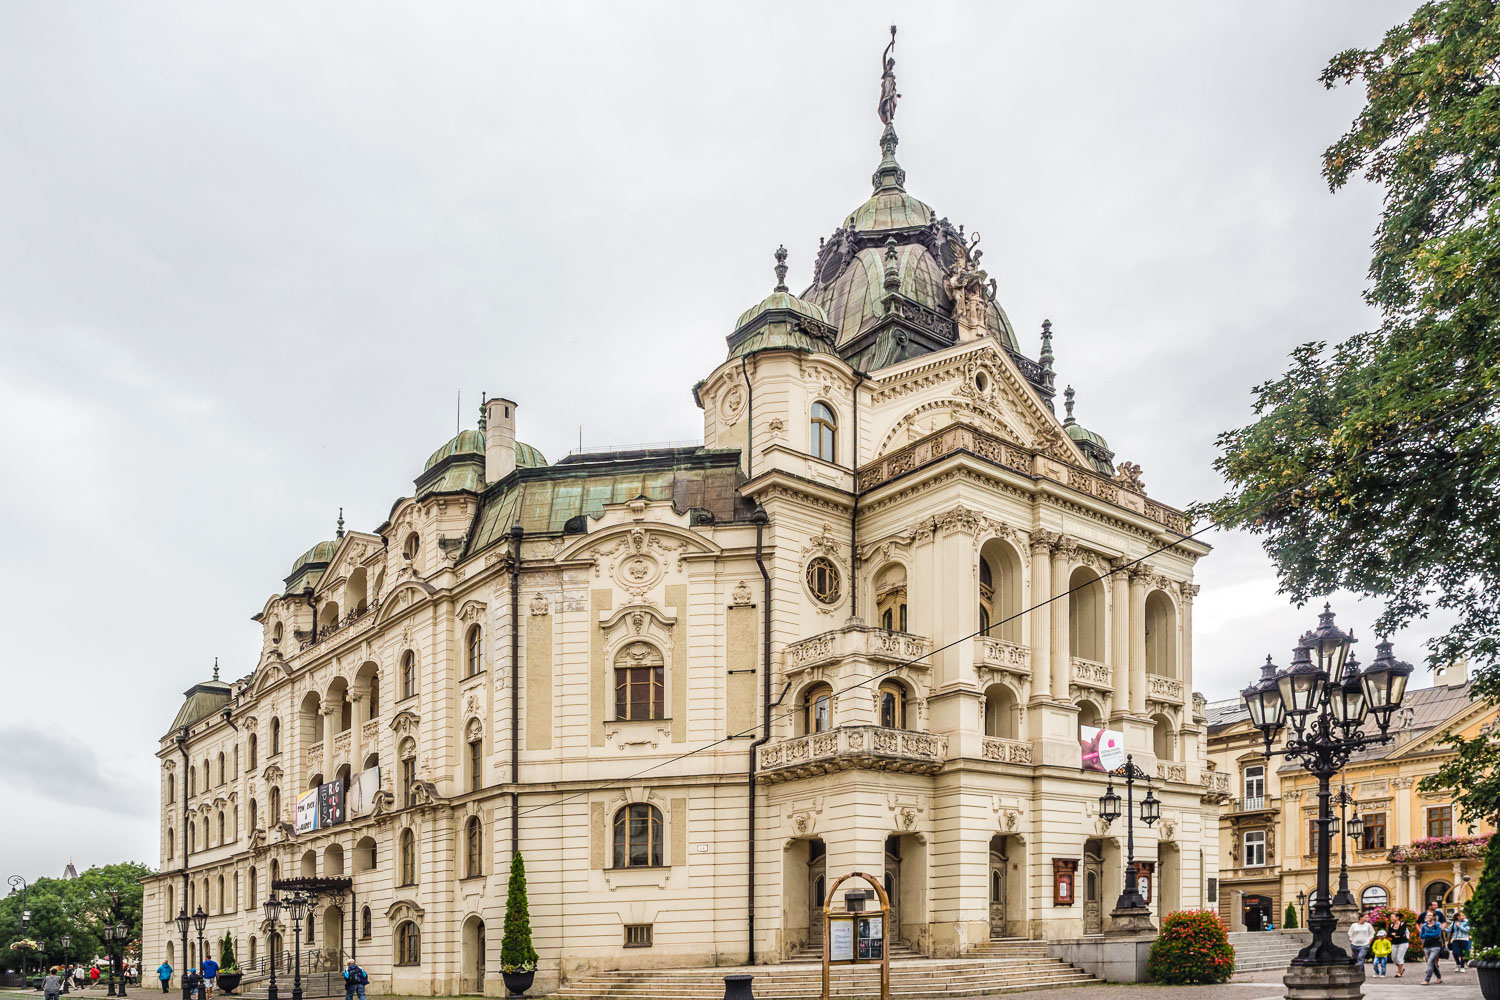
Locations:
column 888, row 95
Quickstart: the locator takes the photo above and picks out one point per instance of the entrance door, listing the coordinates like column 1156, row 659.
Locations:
column 998, row 862
column 893, row 882
column 1093, row 887
column 1257, row 911
column 817, row 889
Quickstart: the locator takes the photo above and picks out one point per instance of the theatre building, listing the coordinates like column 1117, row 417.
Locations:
column 857, row 629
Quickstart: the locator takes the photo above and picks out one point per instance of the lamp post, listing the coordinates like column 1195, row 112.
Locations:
column 17, row 883
column 1326, row 706
column 200, row 921
column 107, row 933
column 296, row 905
column 122, row 936
column 272, row 907
column 182, row 928
column 1302, row 905
column 1345, row 828
column 67, row 943
column 1131, row 912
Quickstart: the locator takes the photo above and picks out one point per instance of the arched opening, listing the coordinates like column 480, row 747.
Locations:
column 1089, row 714
column 1373, row 895
column 1086, row 615
column 340, row 712
column 333, row 929
column 890, row 598
column 254, row 882
column 310, row 720
column 639, row 841
column 171, row 843
column 473, row 848
column 892, row 703
column 408, row 675
column 473, row 956
column 328, row 617
column 1000, row 591
column 408, row 751
column 366, row 924
column 310, row 864
column 275, row 737
column 803, row 890
column 341, row 777
column 222, row 773
column 476, row 757
column 1168, row 878
column 373, row 760
column 640, row 683
column 1436, row 892
column 367, row 683
column 1161, row 635
column 254, row 751
column 315, row 781
column 823, row 433
column 171, row 951
column 817, row 709
column 1002, row 712
column 408, row 852
column 379, row 584
column 221, row 900
column 364, row 855
column 1163, row 737
column 333, row 861
column 474, row 650
column 275, row 815
column 192, row 780
column 408, row 943
column 1007, row 874
column 252, row 951
column 356, row 596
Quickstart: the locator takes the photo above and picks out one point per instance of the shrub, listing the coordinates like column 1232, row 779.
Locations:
column 1192, row 947
column 1484, row 908
column 516, row 952
column 1290, row 921
column 226, row 955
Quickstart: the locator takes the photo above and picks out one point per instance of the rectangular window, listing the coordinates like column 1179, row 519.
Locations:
column 1373, row 838
column 408, row 781
column 1213, row 890
column 639, row 693
column 1312, row 837
column 1255, row 849
column 1440, row 821
column 638, row 935
column 1255, row 787
column 476, row 765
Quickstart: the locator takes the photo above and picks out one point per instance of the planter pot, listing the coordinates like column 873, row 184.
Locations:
column 230, row 981
column 517, row 983
column 1489, row 978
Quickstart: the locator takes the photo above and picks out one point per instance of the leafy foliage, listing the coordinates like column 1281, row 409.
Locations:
column 79, row 908
column 1192, row 947
column 516, row 952
column 1483, row 909
column 226, row 955
column 1375, row 466
column 1289, row 921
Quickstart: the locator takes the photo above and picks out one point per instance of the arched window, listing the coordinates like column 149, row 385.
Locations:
column 252, row 949
column 474, row 648
column 1086, row 615
column 275, row 737
column 171, row 790
column 408, row 857
column 408, row 772
column 1002, row 713
column 1373, row 895
column 275, row 815
column 1000, row 591
column 221, row 826
column 192, row 836
column 476, row 764
column 892, row 705
column 1161, row 635
column 254, row 888
column 408, row 674
column 365, row 922
column 1437, row 893
column 275, row 872
column 192, row 781
column 639, row 683
column 408, row 944
column 638, row 836
column 364, row 855
column 171, row 843
column 817, row 709
column 890, row 598
column 254, row 750
column 473, row 847
column 171, row 901
column 823, row 434
column 221, row 893
column 221, row 767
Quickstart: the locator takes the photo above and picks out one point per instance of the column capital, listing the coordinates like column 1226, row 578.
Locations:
column 1065, row 547
column 1140, row 573
column 1043, row 541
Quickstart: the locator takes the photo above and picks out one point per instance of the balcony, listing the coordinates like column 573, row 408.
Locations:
column 1006, row 751
column 1163, row 689
column 1215, row 786
column 869, row 748
column 857, row 640
column 1171, row 772
column 1001, row 654
column 1254, row 803
column 1091, row 674
column 307, row 640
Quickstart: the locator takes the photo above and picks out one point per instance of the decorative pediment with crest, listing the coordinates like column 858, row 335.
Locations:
column 404, row 909
column 472, row 611
column 637, row 621
column 405, row 722
column 638, row 555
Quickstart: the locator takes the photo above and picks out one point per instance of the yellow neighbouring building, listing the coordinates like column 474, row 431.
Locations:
column 1413, row 848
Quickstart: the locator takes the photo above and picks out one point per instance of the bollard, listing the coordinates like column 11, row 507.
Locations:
column 738, row 987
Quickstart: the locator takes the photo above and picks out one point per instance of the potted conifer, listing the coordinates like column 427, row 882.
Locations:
column 517, row 956
column 1483, row 912
column 230, row 974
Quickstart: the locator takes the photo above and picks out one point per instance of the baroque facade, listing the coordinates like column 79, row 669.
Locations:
column 858, row 629
column 1414, row 848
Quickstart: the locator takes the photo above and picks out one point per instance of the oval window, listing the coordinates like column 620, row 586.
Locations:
column 276, row 634
column 823, row 580
column 412, row 546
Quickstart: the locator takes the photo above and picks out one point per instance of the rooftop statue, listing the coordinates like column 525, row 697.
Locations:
column 888, row 95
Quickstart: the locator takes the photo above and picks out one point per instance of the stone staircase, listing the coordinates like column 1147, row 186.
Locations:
column 1020, row 966
column 1259, row 950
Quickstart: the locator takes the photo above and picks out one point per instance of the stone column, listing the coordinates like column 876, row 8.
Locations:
column 1189, row 591
column 1138, row 576
column 1041, row 613
column 1062, row 558
column 356, row 731
column 1119, row 646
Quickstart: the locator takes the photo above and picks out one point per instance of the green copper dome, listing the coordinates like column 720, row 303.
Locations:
column 202, row 701
column 889, row 208
column 320, row 553
column 470, row 442
column 1078, row 432
column 782, row 301
column 528, row 457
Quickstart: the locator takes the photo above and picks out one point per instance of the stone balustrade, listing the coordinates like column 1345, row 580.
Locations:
column 873, row 748
column 857, row 640
column 1002, row 654
column 1006, row 751
column 1093, row 674
column 1171, row 772
column 1163, row 689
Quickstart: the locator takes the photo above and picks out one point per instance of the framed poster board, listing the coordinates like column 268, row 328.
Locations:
column 840, row 939
column 869, row 938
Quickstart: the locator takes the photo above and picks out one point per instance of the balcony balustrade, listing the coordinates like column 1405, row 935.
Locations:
column 857, row 640
column 1255, row 803
column 872, row 748
column 1163, row 689
column 1092, row 674
column 1005, row 751
column 1171, row 772
column 1002, row 654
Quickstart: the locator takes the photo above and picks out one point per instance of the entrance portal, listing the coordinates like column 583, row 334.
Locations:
column 473, row 956
column 999, row 861
column 1093, row 887
column 893, row 882
column 1257, row 912
column 817, row 889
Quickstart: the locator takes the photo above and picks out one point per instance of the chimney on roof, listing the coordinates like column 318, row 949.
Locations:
column 499, row 439
column 1455, row 674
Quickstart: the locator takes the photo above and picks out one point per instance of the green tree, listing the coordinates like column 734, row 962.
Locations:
column 516, row 952
column 1289, row 923
column 1483, row 908
column 226, row 955
column 1374, row 466
column 79, row 908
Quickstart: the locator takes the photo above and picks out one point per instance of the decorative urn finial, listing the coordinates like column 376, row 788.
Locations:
column 1068, row 395
column 340, row 532
column 781, row 268
column 892, row 271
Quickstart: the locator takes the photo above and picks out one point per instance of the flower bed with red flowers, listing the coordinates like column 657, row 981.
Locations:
column 1192, row 947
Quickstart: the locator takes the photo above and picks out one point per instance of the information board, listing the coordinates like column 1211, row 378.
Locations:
column 330, row 804
column 869, row 938
column 841, row 939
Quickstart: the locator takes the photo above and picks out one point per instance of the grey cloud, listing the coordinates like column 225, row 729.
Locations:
column 56, row 767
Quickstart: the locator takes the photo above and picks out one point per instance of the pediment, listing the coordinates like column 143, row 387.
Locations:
column 272, row 668
column 1434, row 738
column 405, row 721
column 404, row 909
column 402, row 596
column 353, row 549
column 637, row 555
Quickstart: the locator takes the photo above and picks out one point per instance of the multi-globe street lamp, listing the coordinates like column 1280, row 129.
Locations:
column 122, row 936
column 1109, row 810
column 17, row 883
column 297, row 905
column 107, row 933
column 1326, row 706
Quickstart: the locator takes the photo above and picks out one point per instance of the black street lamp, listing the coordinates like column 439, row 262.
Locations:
column 297, row 905
column 272, row 907
column 1131, row 911
column 122, row 935
column 67, row 943
column 107, row 933
column 200, row 921
column 1302, row 905
column 1345, row 830
column 182, row 928
column 1327, row 707
column 19, row 883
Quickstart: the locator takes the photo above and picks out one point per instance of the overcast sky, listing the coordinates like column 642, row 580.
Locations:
column 249, row 254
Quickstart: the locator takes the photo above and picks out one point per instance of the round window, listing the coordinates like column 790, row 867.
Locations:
column 981, row 382
column 413, row 544
column 276, row 633
column 823, row 580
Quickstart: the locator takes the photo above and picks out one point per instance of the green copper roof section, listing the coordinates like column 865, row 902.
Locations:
column 469, row 442
column 781, row 302
column 310, row 565
column 528, row 457
column 1078, row 432
column 890, row 208
column 466, row 473
column 204, row 700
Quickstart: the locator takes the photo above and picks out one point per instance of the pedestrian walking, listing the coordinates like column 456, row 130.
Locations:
column 355, row 981
column 210, row 971
column 1458, row 940
column 93, row 974
column 52, row 985
column 1381, row 949
column 1400, row 939
column 164, row 973
column 1432, row 948
column 1361, row 935
column 192, row 983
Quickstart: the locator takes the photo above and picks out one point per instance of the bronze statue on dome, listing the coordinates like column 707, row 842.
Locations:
column 888, row 95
